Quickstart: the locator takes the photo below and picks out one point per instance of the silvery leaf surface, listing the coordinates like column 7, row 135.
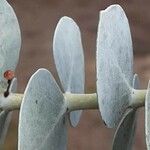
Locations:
column 13, row 86
column 5, row 119
column 10, row 41
column 5, row 116
column 69, row 59
column 42, row 122
column 136, row 82
column 114, row 64
column 147, row 117
column 125, row 133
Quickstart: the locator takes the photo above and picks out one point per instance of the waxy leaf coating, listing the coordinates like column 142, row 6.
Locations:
column 69, row 59
column 147, row 117
column 125, row 132
column 42, row 122
column 5, row 116
column 10, row 41
column 114, row 64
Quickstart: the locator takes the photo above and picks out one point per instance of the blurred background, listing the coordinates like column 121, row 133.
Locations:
column 38, row 19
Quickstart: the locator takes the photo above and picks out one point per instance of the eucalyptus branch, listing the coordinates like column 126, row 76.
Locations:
column 73, row 101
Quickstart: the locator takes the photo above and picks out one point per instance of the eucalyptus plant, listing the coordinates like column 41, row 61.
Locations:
column 45, row 109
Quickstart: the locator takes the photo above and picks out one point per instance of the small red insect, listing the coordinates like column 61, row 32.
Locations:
column 9, row 74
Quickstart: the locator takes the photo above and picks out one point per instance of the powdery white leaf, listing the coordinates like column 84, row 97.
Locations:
column 114, row 64
column 10, row 41
column 13, row 86
column 5, row 116
column 136, row 82
column 42, row 123
column 69, row 59
column 125, row 133
column 147, row 117
column 5, row 119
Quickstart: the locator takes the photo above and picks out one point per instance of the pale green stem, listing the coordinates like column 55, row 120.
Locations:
column 12, row 102
column 81, row 101
column 73, row 101
column 138, row 98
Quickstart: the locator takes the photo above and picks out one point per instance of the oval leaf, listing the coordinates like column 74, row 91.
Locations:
column 124, row 135
column 69, row 59
column 10, row 41
column 5, row 116
column 125, row 132
column 114, row 64
column 42, row 122
column 147, row 117
column 5, row 119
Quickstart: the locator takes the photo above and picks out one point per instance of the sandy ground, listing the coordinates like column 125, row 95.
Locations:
column 38, row 19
